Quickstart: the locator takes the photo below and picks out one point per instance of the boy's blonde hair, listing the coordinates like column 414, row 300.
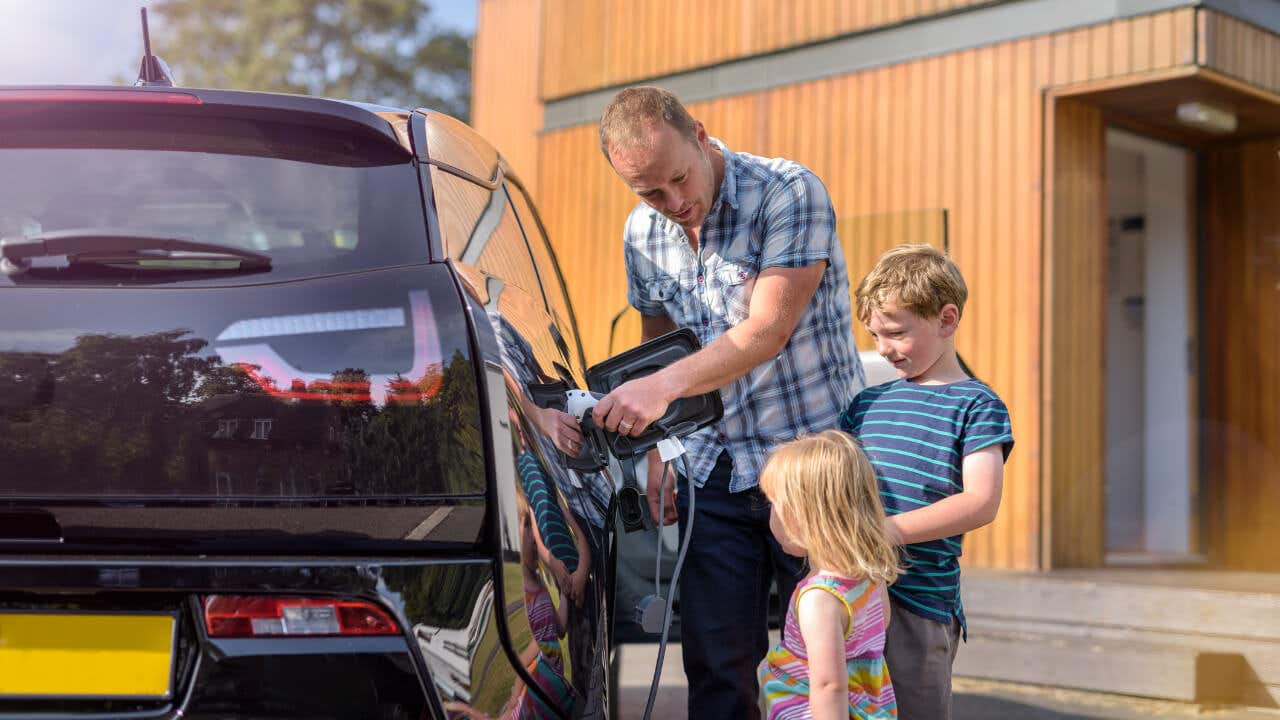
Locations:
column 824, row 490
column 919, row 278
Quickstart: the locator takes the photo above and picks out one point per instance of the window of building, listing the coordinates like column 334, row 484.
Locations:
column 226, row 429
column 261, row 429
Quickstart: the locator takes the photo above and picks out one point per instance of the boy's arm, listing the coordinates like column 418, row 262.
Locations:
column 969, row 509
column 822, row 621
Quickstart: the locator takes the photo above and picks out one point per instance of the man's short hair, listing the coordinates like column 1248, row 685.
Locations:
column 919, row 278
column 635, row 109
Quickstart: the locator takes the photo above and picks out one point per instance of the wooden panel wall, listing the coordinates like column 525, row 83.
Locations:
column 597, row 43
column 1074, row 360
column 962, row 132
column 504, row 81
column 1241, row 395
column 1240, row 50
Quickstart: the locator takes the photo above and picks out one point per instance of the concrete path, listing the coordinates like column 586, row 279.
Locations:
column 974, row 699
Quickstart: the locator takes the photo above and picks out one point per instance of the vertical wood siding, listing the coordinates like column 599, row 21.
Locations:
column 962, row 132
column 504, row 81
column 1075, row 290
column 866, row 237
column 1241, row 393
column 1239, row 50
column 597, row 43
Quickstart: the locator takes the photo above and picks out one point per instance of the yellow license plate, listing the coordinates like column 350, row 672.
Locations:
column 86, row 656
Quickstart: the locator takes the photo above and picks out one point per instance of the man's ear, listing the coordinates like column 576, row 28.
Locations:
column 699, row 131
column 948, row 320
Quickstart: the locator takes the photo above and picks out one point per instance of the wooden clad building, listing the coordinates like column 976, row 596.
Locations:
column 995, row 121
column 1104, row 173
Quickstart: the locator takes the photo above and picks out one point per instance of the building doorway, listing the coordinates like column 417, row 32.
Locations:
column 1151, row 484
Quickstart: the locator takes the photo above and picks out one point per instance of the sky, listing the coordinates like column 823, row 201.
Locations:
column 89, row 42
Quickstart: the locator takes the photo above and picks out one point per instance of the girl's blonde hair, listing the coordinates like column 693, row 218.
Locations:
column 824, row 491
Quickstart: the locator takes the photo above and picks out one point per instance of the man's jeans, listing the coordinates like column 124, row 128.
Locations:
column 724, row 594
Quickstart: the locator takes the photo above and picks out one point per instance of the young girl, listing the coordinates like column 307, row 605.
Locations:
column 826, row 507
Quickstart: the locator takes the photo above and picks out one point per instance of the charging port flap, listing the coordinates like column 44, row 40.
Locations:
column 683, row 417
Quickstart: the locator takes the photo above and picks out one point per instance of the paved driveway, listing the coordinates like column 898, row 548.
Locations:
column 974, row 700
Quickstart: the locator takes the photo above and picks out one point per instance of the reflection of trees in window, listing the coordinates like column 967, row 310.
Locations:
column 106, row 412
column 148, row 414
column 427, row 440
column 440, row 596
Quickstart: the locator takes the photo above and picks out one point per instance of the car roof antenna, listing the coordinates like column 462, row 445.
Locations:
column 154, row 71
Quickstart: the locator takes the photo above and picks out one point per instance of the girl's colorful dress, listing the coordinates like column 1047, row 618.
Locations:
column 784, row 673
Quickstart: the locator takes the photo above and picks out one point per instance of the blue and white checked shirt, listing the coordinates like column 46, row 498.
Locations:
column 768, row 213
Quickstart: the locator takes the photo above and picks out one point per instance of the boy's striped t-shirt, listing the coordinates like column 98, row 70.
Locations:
column 916, row 437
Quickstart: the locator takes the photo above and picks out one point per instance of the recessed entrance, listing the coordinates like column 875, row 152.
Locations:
column 1151, row 495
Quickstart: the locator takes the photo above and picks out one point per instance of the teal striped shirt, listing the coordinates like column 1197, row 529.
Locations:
column 916, row 437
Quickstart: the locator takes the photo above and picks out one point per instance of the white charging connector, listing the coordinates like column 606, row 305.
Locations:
column 669, row 449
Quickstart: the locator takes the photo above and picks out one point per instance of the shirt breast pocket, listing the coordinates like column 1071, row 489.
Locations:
column 665, row 290
column 736, row 285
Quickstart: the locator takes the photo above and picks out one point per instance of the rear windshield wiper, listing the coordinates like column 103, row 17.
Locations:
column 114, row 247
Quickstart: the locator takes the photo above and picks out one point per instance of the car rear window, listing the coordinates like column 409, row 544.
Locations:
column 316, row 200
column 256, row 416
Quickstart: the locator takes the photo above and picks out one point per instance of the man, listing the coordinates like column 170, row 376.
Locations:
column 743, row 251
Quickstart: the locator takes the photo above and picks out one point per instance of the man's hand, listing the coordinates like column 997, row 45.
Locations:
column 634, row 405
column 667, row 514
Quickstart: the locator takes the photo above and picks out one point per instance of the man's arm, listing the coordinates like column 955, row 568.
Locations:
column 969, row 509
column 778, row 301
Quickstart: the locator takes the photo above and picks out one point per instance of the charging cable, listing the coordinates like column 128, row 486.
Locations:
column 672, row 445
column 657, row 556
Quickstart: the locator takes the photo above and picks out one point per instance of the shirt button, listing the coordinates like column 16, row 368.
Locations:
column 699, row 277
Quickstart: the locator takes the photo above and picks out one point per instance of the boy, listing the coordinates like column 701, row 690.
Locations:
column 938, row 440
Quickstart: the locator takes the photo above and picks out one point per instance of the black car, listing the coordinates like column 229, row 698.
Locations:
column 276, row 376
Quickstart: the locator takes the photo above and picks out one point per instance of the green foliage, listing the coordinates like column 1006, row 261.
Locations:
column 435, row 441
column 379, row 51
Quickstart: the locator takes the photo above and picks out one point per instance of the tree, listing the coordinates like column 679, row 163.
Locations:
column 378, row 51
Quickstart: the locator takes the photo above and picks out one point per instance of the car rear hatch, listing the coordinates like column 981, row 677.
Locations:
column 229, row 378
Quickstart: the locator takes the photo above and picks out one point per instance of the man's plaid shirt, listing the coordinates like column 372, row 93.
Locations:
column 768, row 213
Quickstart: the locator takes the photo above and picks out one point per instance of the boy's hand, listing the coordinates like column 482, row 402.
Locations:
column 667, row 514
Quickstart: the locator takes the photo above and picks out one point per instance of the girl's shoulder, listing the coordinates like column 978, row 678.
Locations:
column 854, row 592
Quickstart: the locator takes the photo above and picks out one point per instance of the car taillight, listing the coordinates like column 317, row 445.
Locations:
column 118, row 96
column 234, row 616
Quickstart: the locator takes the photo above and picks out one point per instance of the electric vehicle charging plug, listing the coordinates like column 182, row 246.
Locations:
column 579, row 404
